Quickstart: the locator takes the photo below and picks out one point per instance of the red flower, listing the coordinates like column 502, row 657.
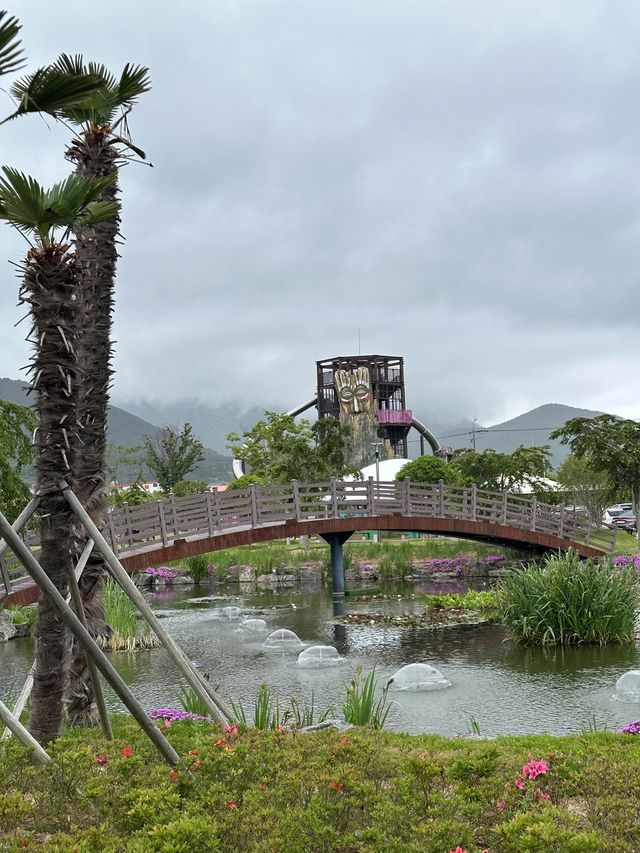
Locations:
column 102, row 760
column 193, row 752
column 345, row 741
column 221, row 741
column 127, row 752
column 337, row 786
column 232, row 805
column 173, row 776
column 196, row 764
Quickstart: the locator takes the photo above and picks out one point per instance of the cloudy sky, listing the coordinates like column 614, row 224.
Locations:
column 458, row 180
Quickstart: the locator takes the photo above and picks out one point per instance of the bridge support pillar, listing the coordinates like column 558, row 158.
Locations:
column 336, row 541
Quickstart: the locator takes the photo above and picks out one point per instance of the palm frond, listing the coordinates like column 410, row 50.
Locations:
column 11, row 53
column 134, row 81
column 69, row 203
column 50, row 90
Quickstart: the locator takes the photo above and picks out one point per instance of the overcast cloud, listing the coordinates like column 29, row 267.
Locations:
column 459, row 180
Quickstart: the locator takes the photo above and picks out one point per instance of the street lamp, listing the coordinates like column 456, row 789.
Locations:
column 376, row 449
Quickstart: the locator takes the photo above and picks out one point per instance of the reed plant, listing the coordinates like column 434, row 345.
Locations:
column 360, row 707
column 121, row 616
column 267, row 713
column 191, row 702
column 566, row 601
column 198, row 566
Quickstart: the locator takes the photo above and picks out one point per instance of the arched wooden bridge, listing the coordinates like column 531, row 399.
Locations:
column 179, row 527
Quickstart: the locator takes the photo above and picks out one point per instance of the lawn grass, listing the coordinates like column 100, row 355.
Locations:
column 348, row 792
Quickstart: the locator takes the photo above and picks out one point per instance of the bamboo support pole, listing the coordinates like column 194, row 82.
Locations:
column 23, row 734
column 76, row 598
column 91, row 648
column 23, row 698
column 20, row 521
column 214, row 704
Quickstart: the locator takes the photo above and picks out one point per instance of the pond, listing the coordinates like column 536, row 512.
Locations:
column 505, row 688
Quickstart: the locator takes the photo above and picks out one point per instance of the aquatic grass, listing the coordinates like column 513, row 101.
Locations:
column 360, row 706
column 21, row 613
column 566, row 601
column 122, row 618
column 191, row 702
column 267, row 713
column 198, row 566
column 484, row 601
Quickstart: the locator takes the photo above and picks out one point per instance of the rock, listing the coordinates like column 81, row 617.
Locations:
column 287, row 580
column 182, row 580
column 247, row 574
column 22, row 629
column 338, row 725
column 267, row 581
column 7, row 629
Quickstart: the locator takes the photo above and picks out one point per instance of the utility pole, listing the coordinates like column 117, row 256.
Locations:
column 376, row 449
column 473, row 434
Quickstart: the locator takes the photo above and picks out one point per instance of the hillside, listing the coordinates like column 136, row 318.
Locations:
column 129, row 430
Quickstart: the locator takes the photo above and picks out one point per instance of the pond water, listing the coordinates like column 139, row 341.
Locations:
column 506, row 688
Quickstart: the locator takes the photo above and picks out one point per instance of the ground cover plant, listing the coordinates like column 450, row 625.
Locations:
column 565, row 600
column 360, row 790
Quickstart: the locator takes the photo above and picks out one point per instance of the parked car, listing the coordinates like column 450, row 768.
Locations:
column 625, row 521
column 614, row 511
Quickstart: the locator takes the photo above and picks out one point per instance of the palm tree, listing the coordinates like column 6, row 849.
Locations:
column 49, row 288
column 98, row 150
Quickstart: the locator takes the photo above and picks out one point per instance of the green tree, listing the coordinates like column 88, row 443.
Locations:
column 16, row 426
column 501, row 471
column 608, row 445
column 49, row 288
column 99, row 147
column 584, row 486
column 189, row 487
column 429, row 469
column 279, row 449
column 172, row 455
column 122, row 460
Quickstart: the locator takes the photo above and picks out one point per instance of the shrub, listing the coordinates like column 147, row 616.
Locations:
column 566, row 600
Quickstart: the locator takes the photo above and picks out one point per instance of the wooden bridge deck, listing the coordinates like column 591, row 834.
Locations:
column 178, row 527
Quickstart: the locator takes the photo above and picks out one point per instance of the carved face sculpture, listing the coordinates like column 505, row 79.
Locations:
column 354, row 392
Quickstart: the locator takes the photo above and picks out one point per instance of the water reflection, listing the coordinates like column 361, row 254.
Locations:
column 506, row 688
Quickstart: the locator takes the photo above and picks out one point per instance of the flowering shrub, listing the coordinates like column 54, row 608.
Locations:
column 627, row 560
column 174, row 715
column 161, row 572
column 631, row 728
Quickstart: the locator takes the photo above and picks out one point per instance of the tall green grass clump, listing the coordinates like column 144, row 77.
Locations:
column 360, row 707
column 566, row 601
column 121, row 616
column 198, row 566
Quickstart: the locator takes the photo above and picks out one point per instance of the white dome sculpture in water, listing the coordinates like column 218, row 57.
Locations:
column 283, row 639
column 232, row 612
column 252, row 626
column 628, row 686
column 317, row 656
column 418, row 676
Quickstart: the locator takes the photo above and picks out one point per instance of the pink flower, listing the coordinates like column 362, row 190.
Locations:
column 542, row 795
column 281, row 730
column 519, row 783
column 127, row 752
column 167, row 724
column 193, row 752
column 500, row 805
column 533, row 769
column 231, row 730
column 458, row 850
column 232, row 805
column 102, row 760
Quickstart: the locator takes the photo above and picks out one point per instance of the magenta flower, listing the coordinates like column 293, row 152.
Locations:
column 519, row 783
column 533, row 769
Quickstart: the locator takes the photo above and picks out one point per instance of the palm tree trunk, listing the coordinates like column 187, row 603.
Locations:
column 96, row 257
column 49, row 288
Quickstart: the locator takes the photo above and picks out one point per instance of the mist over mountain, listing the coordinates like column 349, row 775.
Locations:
column 212, row 422
column 129, row 429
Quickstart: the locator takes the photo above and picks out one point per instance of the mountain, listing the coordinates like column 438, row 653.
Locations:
column 531, row 429
column 211, row 422
column 129, row 430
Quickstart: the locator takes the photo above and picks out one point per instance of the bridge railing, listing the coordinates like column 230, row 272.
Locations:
column 142, row 528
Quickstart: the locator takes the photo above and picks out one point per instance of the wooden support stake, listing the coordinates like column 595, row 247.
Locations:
column 295, row 488
column 89, row 644
column 23, row 698
column 214, row 704
column 23, row 735
column 76, row 597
